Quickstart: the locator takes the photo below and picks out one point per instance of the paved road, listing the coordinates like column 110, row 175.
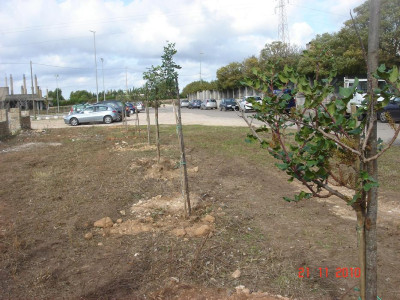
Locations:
column 192, row 117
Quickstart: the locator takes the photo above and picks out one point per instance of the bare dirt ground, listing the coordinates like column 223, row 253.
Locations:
column 88, row 213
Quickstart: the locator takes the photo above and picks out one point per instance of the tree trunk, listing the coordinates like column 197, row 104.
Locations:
column 185, row 181
column 360, row 212
column 157, row 131
column 372, row 166
column 137, row 122
column 148, row 121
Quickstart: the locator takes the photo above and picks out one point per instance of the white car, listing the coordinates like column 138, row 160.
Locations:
column 361, row 91
column 139, row 106
column 209, row 104
column 245, row 105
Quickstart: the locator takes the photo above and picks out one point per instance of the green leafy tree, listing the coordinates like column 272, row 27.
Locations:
column 317, row 61
column 328, row 149
column 82, row 96
column 154, row 87
column 280, row 53
column 230, row 76
column 53, row 94
column 248, row 65
column 344, row 44
column 170, row 76
column 198, row 86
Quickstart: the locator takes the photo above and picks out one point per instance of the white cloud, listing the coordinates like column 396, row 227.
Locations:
column 132, row 34
column 301, row 34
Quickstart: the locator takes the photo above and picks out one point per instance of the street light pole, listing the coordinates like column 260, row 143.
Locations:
column 95, row 64
column 200, row 66
column 102, row 70
column 58, row 103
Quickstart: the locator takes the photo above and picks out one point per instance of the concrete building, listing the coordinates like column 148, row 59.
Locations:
column 25, row 101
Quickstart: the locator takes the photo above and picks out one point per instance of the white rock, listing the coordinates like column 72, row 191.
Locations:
column 236, row 274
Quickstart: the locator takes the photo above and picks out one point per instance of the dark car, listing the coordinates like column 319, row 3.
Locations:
column 194, row 104
column 228, row 104
column 119, row 106
column 291, row 103
column 392, row 110
column 131, row 107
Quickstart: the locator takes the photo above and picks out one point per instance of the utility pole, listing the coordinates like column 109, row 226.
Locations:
column 33, row 99
column 95, row 64
column 126, row 79
column 102, row 70
column 58, row 102
column 201, row 53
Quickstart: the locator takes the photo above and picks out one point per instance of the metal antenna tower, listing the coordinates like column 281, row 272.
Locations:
column 283, row 31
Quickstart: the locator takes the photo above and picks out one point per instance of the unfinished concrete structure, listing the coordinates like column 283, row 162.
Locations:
column 24, row 100
column 13, row 120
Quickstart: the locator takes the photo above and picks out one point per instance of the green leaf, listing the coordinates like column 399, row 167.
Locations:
column 394, row 74
column 354, row 200
column 283, row 166
column 370, row 185
column 331, row 108
column 250, row 139
column 345, row 92
column 355, row 131
column 283, row 79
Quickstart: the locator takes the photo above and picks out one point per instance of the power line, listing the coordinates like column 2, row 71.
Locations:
column 319, row 10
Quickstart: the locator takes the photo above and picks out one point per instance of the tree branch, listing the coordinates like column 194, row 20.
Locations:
column 396, row 134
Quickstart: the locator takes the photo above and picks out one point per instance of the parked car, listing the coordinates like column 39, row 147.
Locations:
column 95, row 113
column 139, row 106
column 184, row 103
column 291, row 103
column 78, row 107
column 391, row 110
column 245, row 105
column 209, row 103
column 194, row 104
column 120, row 106
column 228, row 104
column 131, row 107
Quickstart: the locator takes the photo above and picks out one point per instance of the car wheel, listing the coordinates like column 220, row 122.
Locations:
column 220, row 108
column 107, row 119
column 382, row 117
column 74, row 122
column 119, row 118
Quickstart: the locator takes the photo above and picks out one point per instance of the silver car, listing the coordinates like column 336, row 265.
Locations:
column 209, row 104
column 139, row 106
column 184, row 103
column 95, row 113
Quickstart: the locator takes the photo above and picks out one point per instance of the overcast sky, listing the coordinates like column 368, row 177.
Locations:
column 130, row 35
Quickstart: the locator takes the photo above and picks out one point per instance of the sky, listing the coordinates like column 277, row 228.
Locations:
column 57, row 37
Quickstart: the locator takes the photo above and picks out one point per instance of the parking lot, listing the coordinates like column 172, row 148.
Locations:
column 189, row 117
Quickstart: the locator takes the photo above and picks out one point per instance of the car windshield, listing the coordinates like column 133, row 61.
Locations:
column 212, row 100
column 363, row 85
column 230, row 101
